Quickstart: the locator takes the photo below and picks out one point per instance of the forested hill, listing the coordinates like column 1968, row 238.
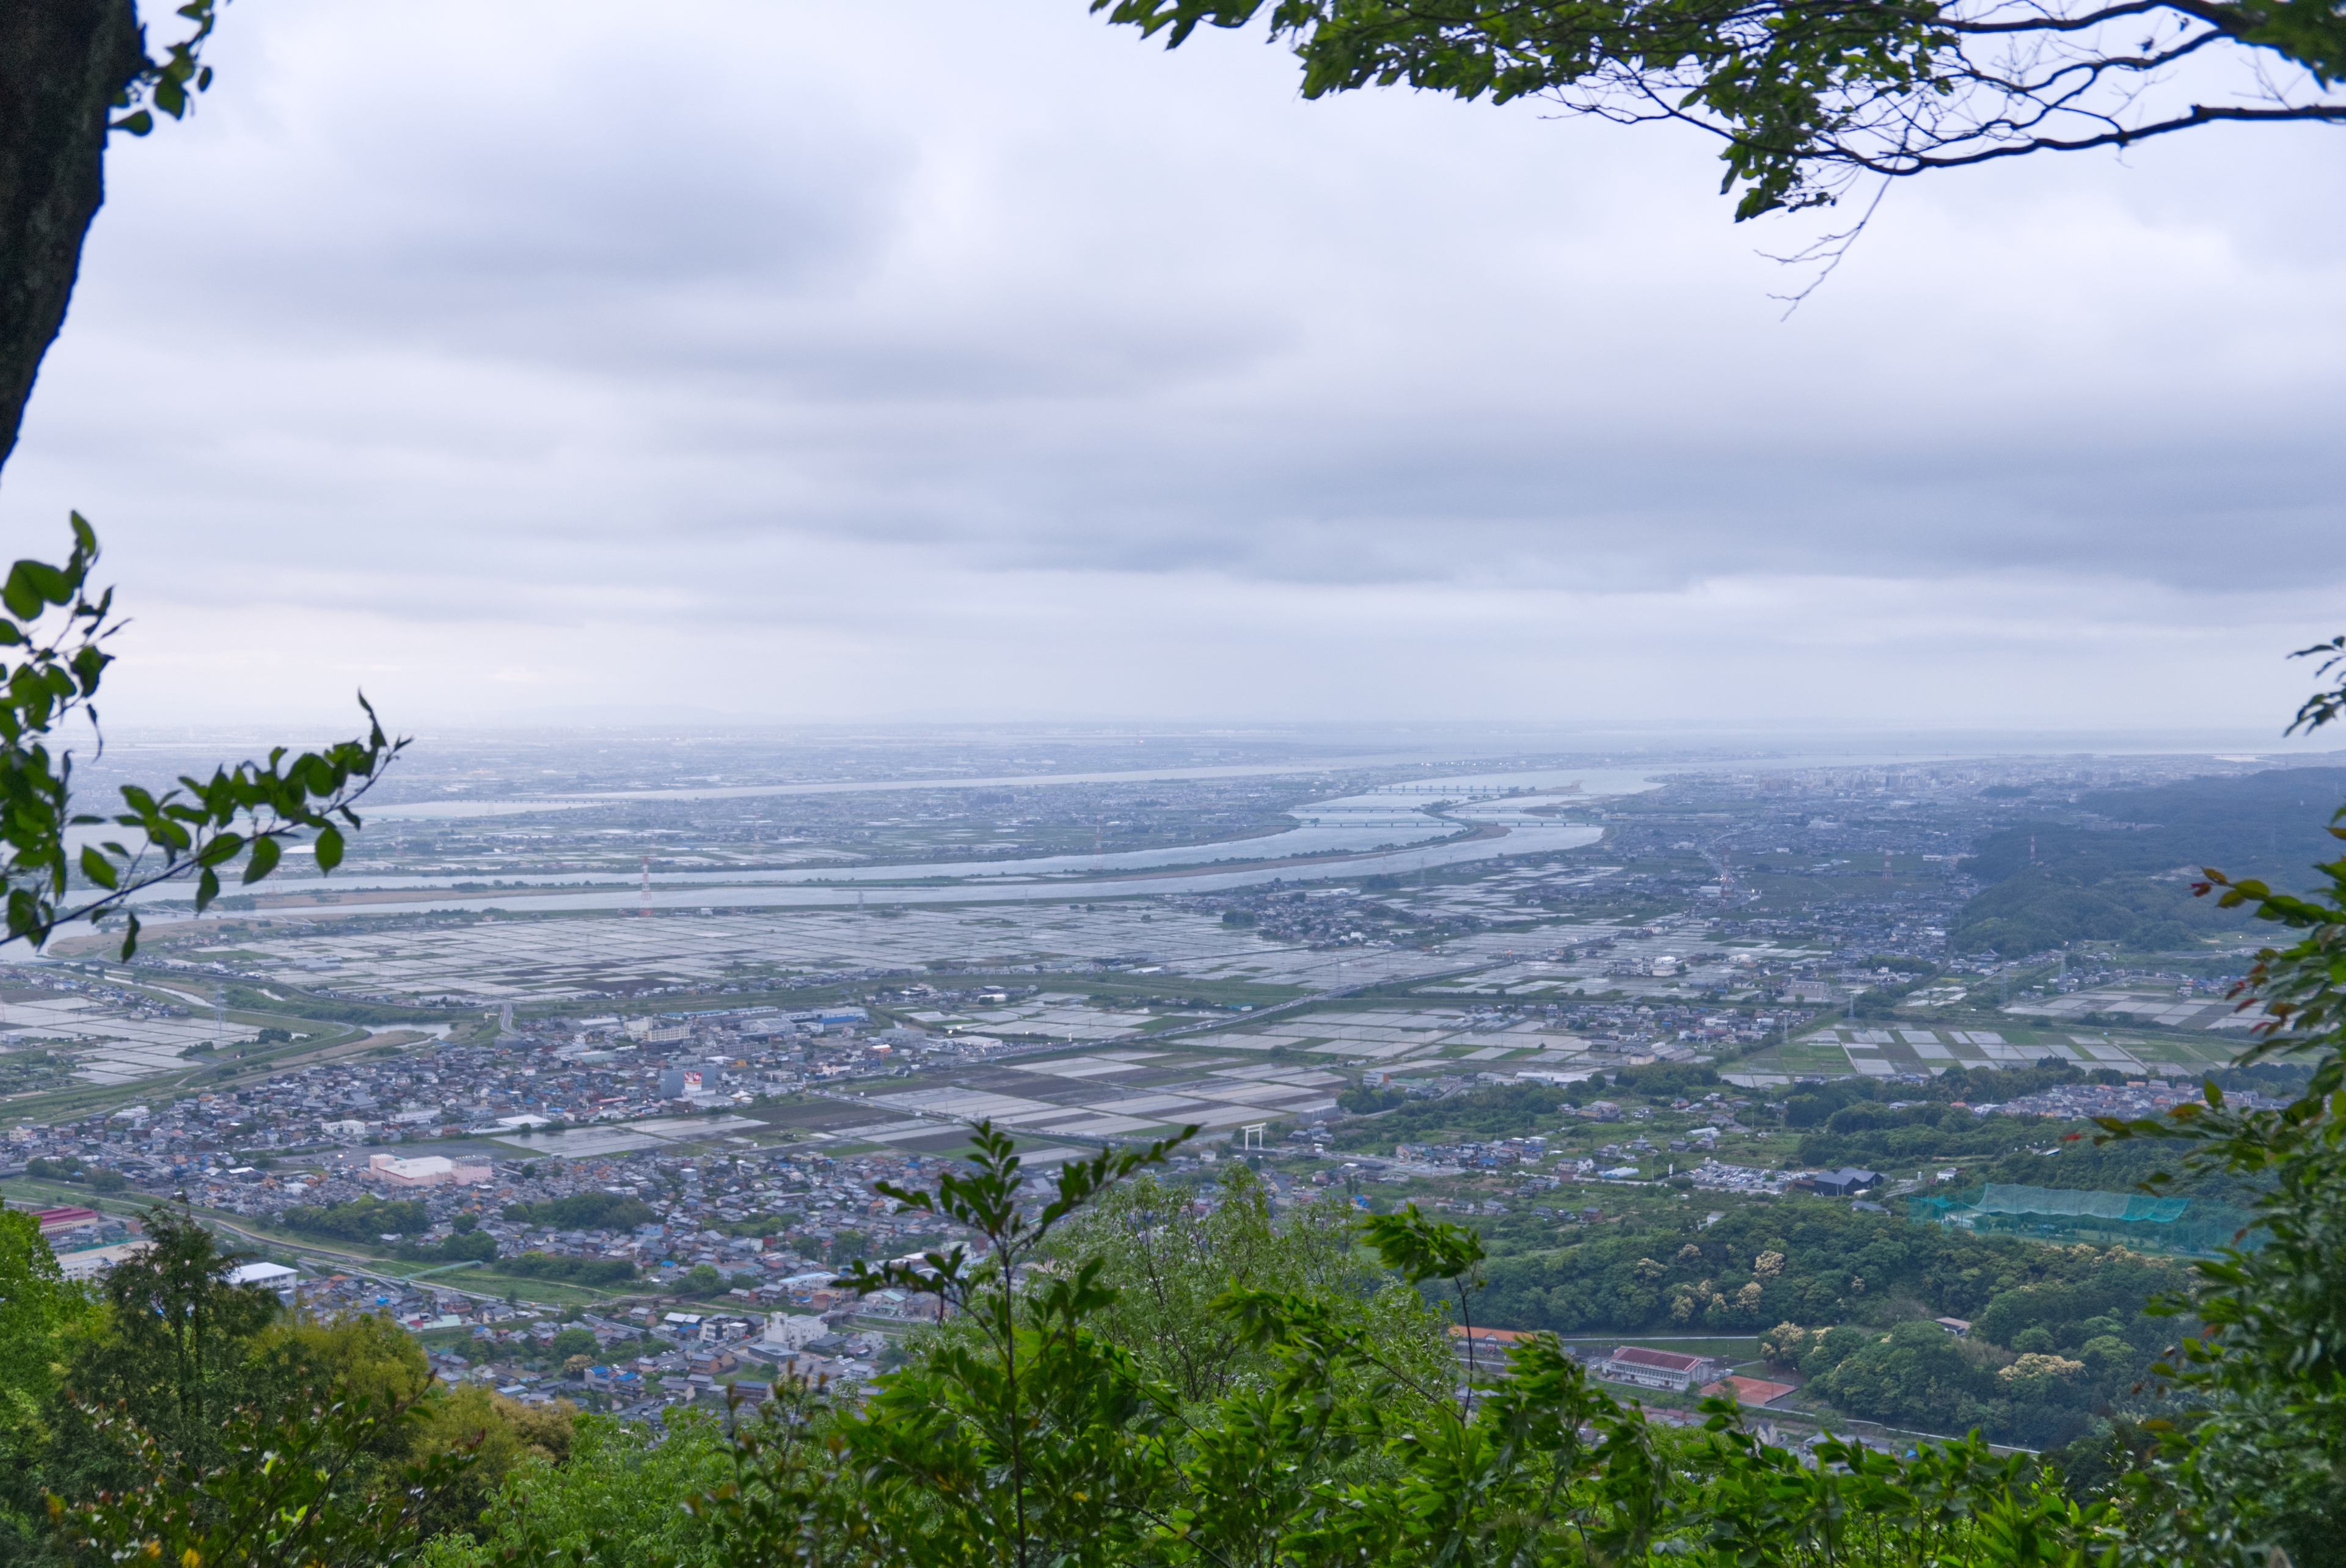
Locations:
column 2057, row 881
column 2270, row 825
column 1872, row 1280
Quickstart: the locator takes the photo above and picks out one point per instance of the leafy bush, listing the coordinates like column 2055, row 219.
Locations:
column 574, row 1270
column 1807, row 1110
column 1667, row 1081
column 1360, row 1099
column 471, row 1246
column 364, row 1219
column 584, row 1211
column 572, row 1342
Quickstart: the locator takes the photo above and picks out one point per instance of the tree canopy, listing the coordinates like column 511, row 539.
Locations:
column 1808, row 96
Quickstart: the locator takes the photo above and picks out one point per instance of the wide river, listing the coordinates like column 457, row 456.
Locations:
column 1382, row 830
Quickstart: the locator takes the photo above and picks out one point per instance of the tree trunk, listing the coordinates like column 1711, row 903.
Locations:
column 61, row 63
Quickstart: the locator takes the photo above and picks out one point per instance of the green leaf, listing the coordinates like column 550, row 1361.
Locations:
column 96, row 866
column 23, row 599
column 1423, row 1248
column 265, row 853
column 52, row 585
column 329, row 849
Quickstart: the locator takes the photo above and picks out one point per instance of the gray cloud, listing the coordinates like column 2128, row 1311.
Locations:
column 926, row 358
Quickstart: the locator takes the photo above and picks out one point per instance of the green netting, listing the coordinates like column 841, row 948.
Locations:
column 2066, row 1215
column 1995, row 1198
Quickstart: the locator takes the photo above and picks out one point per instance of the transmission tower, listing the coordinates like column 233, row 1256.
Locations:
column 645, row 909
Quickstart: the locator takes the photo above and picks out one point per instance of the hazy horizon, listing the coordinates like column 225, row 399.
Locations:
column 1020, row 372
column 1467, row 736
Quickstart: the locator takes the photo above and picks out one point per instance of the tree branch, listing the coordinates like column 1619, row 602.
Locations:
column 2201, row 115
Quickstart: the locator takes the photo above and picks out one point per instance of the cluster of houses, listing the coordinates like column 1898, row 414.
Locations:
column 1469, row 1156
column 773, row 1216
column 643, row 1361
column 558, row 1071
column 2143, row 1098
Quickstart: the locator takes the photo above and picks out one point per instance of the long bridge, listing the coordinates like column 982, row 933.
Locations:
column 1462, row 794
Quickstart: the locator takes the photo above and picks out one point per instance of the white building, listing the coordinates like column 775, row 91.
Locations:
column 94, row 1261
column 794, row 1331
column 268, row 1276
column 431, row 1170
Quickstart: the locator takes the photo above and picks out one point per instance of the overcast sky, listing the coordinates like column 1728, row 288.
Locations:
column 969, row 359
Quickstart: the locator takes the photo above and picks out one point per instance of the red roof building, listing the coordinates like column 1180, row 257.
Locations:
column 51, row 1220
column 1647, row 1368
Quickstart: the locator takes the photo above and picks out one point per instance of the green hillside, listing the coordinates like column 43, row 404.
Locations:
column 2125, row 875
